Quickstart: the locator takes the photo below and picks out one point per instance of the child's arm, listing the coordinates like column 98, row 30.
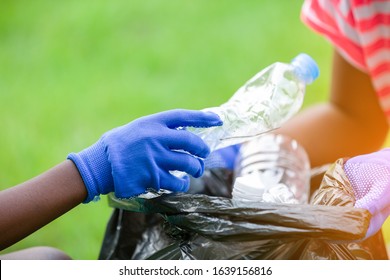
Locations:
column 351, row 123
column 127, row 160
column 34, row 203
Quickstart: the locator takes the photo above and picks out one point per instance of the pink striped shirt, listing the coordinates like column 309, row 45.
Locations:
column 360, row 31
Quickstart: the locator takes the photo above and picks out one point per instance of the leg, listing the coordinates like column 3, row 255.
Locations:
column 36, row 253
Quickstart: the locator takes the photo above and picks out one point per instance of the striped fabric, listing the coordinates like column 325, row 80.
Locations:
column 360, row 31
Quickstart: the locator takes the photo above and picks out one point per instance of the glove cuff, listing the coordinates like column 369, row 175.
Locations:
column 95, row 170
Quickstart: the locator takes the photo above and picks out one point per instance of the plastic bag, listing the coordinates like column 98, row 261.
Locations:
column 208, row 225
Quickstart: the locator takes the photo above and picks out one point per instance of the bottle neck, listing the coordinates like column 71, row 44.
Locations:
column 303, row 74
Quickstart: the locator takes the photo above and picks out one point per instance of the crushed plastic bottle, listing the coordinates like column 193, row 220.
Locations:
column 262, row 104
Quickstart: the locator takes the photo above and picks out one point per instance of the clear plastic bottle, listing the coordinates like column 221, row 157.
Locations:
column 263, row 104
column 272, row 168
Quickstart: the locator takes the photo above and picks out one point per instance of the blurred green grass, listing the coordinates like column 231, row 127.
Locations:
column 70, row 70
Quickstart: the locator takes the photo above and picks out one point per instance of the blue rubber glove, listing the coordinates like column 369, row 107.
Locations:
column 223, row 158
column 136, row 157
column 369, row 176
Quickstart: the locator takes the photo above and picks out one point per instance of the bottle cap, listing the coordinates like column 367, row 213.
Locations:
column 306, row 67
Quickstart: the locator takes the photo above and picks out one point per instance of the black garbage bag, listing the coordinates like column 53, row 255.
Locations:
column 208, row 224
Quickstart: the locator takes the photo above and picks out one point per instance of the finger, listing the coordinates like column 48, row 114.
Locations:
column 174, row 183
column 377, row 221
column 183, row 162
column 182, row 118
column 187, row 141
column 378, row 196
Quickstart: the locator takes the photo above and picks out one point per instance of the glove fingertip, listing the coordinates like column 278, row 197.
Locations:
column 186, row 183
column 183, row 184
column 216, row 119
column 200, row 170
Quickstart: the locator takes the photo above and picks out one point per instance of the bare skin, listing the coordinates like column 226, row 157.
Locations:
column 351, row 123
column 29, row 206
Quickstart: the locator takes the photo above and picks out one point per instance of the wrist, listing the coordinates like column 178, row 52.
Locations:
column 95, row 170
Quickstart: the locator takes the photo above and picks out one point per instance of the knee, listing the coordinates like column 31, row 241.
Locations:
column 37, row 253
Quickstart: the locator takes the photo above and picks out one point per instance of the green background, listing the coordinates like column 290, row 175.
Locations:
column 71, row 70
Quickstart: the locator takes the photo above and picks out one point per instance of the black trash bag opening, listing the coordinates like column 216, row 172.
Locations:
column 200, row 226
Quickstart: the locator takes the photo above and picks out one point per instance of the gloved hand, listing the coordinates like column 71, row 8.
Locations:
column 138, row 156
column 369, row 176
